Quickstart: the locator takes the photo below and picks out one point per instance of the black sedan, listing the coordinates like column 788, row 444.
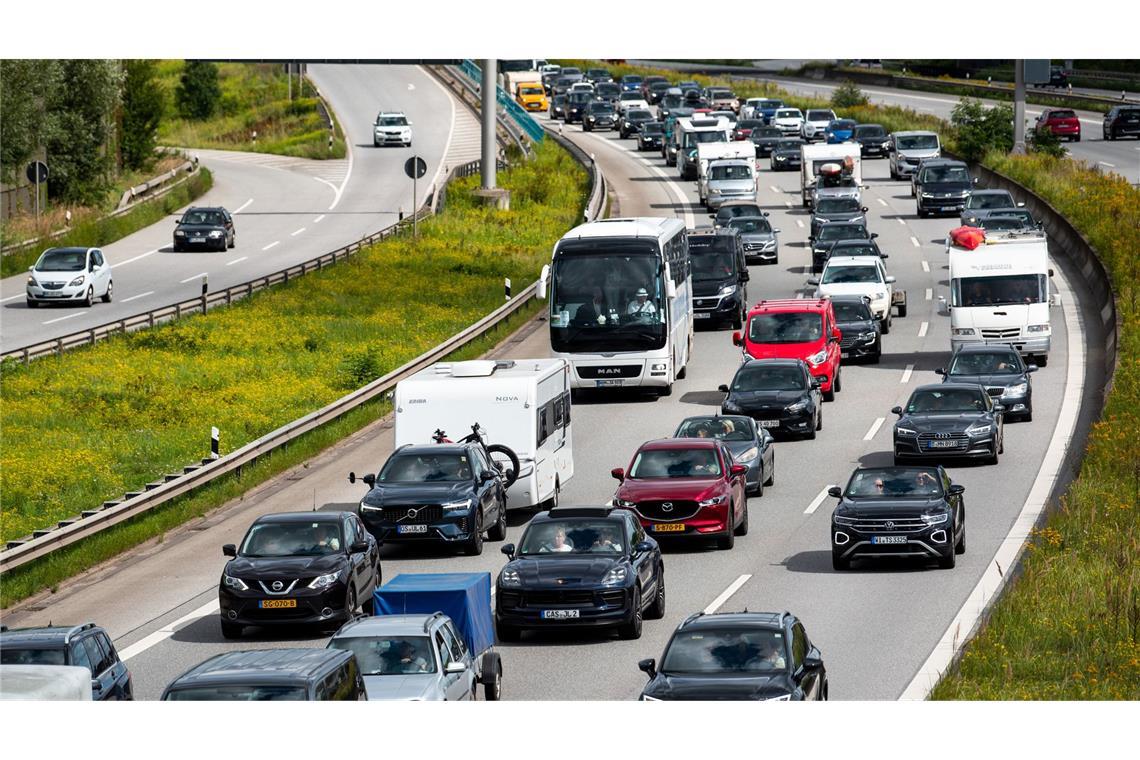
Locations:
column 951, row 420
column 763, row 656
column 558, row 107
column 898, row 512
column 632, row 120
column 576, row 103
column 765, row 139
column 1000, row 370
column 786, row 154
column 780, row 394
column 862, row 333
column 651, row 136
column 750, row 444
column 296, row 568
column 438, row 493
column 210, row 228
column 872, row 139
column 608, row 91
column 580, row 567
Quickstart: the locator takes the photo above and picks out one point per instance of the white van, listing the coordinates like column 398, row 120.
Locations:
column 523, row 404
column 999, row 293
column 814, row 157
column 739, row 150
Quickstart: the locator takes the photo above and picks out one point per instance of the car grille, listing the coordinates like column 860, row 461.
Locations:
column 754, row 246
column 705, row 303
column 889, row 524
column 606, row 373
column 51, row 285
column 677, row 510
column 575, row 598
column 848, row 340
column 961, row 439
column 402, row 514
column 1002, row 334
column 995, row 390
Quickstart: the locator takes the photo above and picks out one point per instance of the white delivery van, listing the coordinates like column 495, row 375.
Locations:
column 999, row 293
column 53, row 683
column 523, row 404
column 815, row 156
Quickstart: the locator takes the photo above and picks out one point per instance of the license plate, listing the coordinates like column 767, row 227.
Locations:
column 844, row 354
column 277, row 604
column 888, row 539
column 411, row 529
column 701, row 315
column 608, row 383
column 197, row 240
column 669, row 528
column 559, row 614
column 768, row 423
column 941, row 444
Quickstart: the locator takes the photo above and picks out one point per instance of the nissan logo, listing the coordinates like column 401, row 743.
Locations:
column 278, row 585
column 667, row 506
column 889, row 525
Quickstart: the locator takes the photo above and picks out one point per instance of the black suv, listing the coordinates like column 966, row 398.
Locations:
column 581, row 567
column 1000, row 370
column 898, row 512
column 763, row 656
column 298, row 568
column 942, row 185
column 1121, row 121
column 862, row 334
column 836, row 210
column 271, row 675
column 599, row 114
column 436, row 493
column 785, row 154
column 205, row 227
column 780, row 394
column 951, row 420
column 720, row 276
column 828, row 233
column 86, row 646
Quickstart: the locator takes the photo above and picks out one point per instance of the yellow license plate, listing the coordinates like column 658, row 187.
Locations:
column 277, row 604
column 669, row 528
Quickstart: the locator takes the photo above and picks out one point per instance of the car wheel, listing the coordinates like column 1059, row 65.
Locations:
column 375, row 143
column 656, row 610
column 33, row 304
column 758, row 490
column 899, row 461
column 738, row 321
column 90, row 299
column 902, row 310
column 177, row 248
column 949, row 561
column 1042, row 360
column 110, row 292
column 350, row 603
column 233, row 240
column 771, row 475
column 498, row 531
column 993, row 458
column 632, row 629
column 818, row 424
column 493, row 691
column 960, row 547
column 886, row 323
column 507, row 632
column 1028, row 415
column 838, row 381
column 727, row 541
column 1077, row 138
column 368, row 606
column 838, row 562
column 474, row 546
column 829, row 395
column 921, row 212
column 742, row 529
column 231, row 630
column 877, row 357
column 666, row 391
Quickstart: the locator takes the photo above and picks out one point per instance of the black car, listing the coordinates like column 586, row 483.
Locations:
column 720, row 276
column 205, row 227
column 862, row 333
column 608, row 91
column 597, row 76
column 831, row 232
column 656, row 91
column 87, row 646
column 942, row 185
column 271, row 675
column 785, row 154
column 590, row 567
column 764, row 656
column 835, row 210
column 561, row 85
column 599, row 114
column 558, row 107
column 750, row 445
column 1000, row 370
column 765, row 139
column 898, row 512
column 632, row 120
column 651, row 135
column 780, row 394
column 984, row 202
column 951, row 420
column 1121, row 121
column 299, row 568
column 576, row 103
column 872, row 139
column 669, row 103
column 436, row 493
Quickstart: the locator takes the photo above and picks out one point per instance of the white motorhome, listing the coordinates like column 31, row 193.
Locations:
column 689, row 134
column 999, row 293
column 523, row 404
column 742, row 150
column 815, row 156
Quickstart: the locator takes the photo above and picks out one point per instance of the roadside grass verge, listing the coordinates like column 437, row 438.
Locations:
column 130, row 409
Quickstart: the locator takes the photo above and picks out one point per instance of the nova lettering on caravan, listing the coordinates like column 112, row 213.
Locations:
column 506, row 399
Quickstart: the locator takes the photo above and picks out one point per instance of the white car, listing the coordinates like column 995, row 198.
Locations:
column 749, row 109
column 858, row 276
column 70, row 275
column 788, row 120
column 392, row 128
column 582, row 87
column 628, row 100
column 815, row 123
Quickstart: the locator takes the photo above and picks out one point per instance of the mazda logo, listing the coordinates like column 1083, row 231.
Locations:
column 889, row 525
column 278, row 585
column 667, row 506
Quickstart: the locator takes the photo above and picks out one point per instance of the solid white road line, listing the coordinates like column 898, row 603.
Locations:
column 136, row 258
column 906, row 374
column 914, row 240
column 60, row 319
column 318, row 219
column 243, row 206
column 164, row 633
column 816, row 501
column 878, row 423
column 881, row 201
column 929, row 293
column 922, row 329
column 450, row 130
column 1105, row 163
column 295, row 233
column 243, row 258
column 193, row 277
column 275, row 242
column 727, row 593
column 926, row 266
column 135, row 298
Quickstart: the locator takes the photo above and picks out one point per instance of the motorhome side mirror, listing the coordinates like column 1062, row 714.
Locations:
column 1050, row 271
column 956, row 490
column 835, row 491
column 229, row 550
column 618, row 473
column 1030, row 368
column 543, row 279
column 722, row 388
column 736, row 339
column 369, row 480
column 649, row 667
column 896, row 410
column 509, row 550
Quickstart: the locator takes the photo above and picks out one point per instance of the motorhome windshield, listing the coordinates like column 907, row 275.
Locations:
column 692, row 139
column 1004, row 290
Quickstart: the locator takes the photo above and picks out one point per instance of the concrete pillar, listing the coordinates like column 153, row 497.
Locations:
column 1019, row 107
column 490, row 107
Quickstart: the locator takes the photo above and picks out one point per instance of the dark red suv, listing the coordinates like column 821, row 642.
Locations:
column 686, row 487
column 796, row 329
column 1062, row 122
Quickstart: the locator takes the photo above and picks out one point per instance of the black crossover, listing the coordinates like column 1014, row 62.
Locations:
column 85, row 646
column 780, row 394
column 952, row 420
column 862, row 334
column 1000, row 370
column 720, row 276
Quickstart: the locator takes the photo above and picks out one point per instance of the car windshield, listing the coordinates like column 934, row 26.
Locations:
column 707, row 136
column 675, row 463
column 847, row 311
column 601, row 106
column 791, row 327
column 202, row 217
column 948, row 400
column 388, row 655
column 837, row 206
column 62, row 261
column 998, row 291
column 238, row 693
column 17, row 656
column 999, row 223
column 957, row 174
column 711, row 652
column 631, row 79
column 1062, row 115
column 995, row 363
column 712, row 264
column 573, row 536
column 820, row 116
column 531, row 90
column 902, row 482
column 843, row 248
column 638, row 115
column 840, row 231
column 731, row 171
column 839, row 275
column 789, row 146
column 401, row 121
column 768, row 378
column 748, row 123
column 869, row 130
column 653, row 128
column 842, row 124
column 770, row 104
column 990, row 200
column 630, row 96
column 747, row 224
column 788, row 113
column 426, row 468
column 292, row 539
column 917, row 142
column 763, row 132
column 733, row 210
column 608, row 89
column 723, row 428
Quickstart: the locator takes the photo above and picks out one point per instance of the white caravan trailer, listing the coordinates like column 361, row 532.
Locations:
column 814, row 157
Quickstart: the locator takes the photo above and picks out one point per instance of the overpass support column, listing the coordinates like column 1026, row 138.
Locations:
column 489, row 108
column 1019, row 107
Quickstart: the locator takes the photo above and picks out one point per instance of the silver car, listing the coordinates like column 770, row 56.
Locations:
column 729, row 180
column 761, row 244
column 905, row 150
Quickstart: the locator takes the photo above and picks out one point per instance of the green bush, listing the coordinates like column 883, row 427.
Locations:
column 198, row 92
column 982, row 129
column 848, row 95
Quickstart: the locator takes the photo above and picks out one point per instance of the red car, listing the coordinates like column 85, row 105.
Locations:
column 796, row 329
column 1060, row 121
column 686, row 487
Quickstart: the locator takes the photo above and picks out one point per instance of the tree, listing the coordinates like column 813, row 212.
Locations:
column 80, row 147
column 848, row 95
column 198, row 91
column 27, row 88
column 143, row 106
column 981, row 129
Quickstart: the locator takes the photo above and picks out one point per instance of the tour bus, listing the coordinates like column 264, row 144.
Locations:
column 689, row 133
column 999, row 293
column 621, row 303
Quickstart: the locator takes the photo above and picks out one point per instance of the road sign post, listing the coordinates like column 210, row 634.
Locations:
column 415, row 167
column 37, row 172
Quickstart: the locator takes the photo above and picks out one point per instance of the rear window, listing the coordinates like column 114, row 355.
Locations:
column 1062, row 115
column 12, row 656
column 238, row 693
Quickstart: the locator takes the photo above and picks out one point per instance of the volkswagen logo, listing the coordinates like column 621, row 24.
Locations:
column 278, row 585
column 889, row 525
column 667, row 506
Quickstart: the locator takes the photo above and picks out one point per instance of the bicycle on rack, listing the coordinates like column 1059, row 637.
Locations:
column 504, row 452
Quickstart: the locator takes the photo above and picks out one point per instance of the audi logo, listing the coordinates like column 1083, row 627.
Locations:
column 667, row 506
column 942, row 435
column 278, row 585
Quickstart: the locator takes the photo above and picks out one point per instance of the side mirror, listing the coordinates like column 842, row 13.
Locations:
column 813, row 281
column 722, row 388
column 896, row 410
column 358, row 547
column 229, row 550
column 863, row 209
column 890, row 278
column 487, row 475
column 737, row 470
column 649, row 667
column 1021, row 204
column 999, row 408
column 975, row 180
column 835, row 491
column 670, row 289
column 32, row 267
column 812, row 662
column 874, row 235
column 745, row 277
column 776, row 231
column 1030, row 368
column 833, row 339
column 1050, row 271
column 940, row 371
column 737, row 339
column 957, row 490
column 509, row 550
column 642, row 546
column 543, row 279
column 352, row 477
column 618, row 473
column 369, row 480
column 455, row 667
column 884, row 256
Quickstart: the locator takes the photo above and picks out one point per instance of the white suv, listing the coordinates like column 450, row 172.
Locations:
column 815, row 123
column 788, row 120
column 858, row 276
column 392, row 128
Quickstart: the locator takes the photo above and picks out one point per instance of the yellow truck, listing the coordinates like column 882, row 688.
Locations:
column 531, row 96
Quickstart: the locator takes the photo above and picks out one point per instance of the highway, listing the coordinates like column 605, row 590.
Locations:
column 287, row 210
column 875, row 624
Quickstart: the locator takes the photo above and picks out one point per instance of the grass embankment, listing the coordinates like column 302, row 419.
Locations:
column 255, row 98
column 126, row 411
column 95, row 228
column 1069, row 626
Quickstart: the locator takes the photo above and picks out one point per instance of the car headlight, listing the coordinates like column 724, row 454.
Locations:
column 905, row 431
column 624, row 503
column 728, row 290
column 712, row 502
column 456, row 506
column 879, row 295
column 781, row 698
column 928, row 195
column 979, row 428
column 615, row 577
column 769, row 245
column 647, row 698
column 884, row 145
column 963, row 331
column 216, row 233
column 731, row 408
column 714, row 191
column 818, row 358
column 32, row 281
column 841, row 520
column 797, row 407
column 693, row 153
column 179, row 233
column 936, row 519
column 509, row 578
column 1016, row 390
column 237, row 584
column 867, row 336
column 1037, row 328
column 749, row 455
column 77, row 281
column 781, row 158
column 370, row 507
column 324, row 581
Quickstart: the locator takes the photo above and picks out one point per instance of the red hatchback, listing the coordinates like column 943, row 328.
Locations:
column 1060, row 121
column 686, row 487
column 796, row 329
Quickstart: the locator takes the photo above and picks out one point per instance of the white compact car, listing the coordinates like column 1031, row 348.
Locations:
column 858, row 276
column 788, row 120
column 392, row 128
column 815, row 123
column 630, row 100
column 70, row 275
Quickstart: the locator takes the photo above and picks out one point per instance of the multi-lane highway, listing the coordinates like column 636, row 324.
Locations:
column 287, row 210
column 875, row 625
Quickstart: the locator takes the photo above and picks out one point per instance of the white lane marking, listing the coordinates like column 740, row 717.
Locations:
column 164, row 633
column 989, row 586
column 295, row 233
column 192, row 277
column 799, row 295
column 800, row 223
column 922, row 329
column 881, row 201
column 816, row 501
column 926, row 266
column 450, row 130
column 727, row 593
column 878, row 423
column 60, row 319
column 1105, row 163
column 901, row 221
column 318, row 219
column 906, row 374
column 275, row 242
column 235, row 261
column 929, row 293
column 788, row 204
column 136, row 258
column 914, row 240
column 135, row 298
column 243, row 206
column 774, row 188
column 13, row 298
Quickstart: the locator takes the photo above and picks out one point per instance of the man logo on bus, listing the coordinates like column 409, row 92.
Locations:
column 609, row 370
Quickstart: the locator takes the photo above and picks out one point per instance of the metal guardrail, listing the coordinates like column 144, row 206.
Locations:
column 523, row 119
column 467, row 90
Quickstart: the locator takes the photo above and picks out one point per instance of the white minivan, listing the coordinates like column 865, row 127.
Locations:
column 70, row 275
